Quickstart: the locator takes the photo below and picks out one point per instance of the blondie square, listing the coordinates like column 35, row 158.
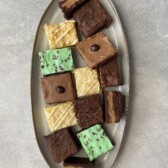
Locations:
column 61, row 35
column 87, row 82
column 60, row 116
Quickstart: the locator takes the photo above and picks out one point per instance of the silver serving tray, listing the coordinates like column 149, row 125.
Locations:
column 115, row 33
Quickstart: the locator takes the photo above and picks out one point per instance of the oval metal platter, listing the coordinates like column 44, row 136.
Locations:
column 116, row 35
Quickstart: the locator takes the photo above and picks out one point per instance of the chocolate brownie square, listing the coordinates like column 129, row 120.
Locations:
column 109, row 74
column 96, row 50
column 91, row 18
column 89, row 111
column 113, row 106
column 61, row 35
column 95, row 141
column 61, row 116
column 61, row 145
column 76, row 162
column 70, row 6
column 58, row 88
column 56, row 61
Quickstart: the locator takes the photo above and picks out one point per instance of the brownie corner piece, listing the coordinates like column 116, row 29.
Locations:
column 62, row 144
column 68, row 7
column 92, row 17
column 88, row 111
column 113, row 106
column 110, row 74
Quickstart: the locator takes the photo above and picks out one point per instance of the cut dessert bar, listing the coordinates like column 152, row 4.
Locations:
column 91, row 18
column 56, row 61
column 61, row 35
column 96, row 50
column 113, row 106
column 61, row 145
column 60, row 116
column 70, row 6
column 89, row 111
column 58, row 88
column 95, row 141
column 87, row 82
column 109, row 74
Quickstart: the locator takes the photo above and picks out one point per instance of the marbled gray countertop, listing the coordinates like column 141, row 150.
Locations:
column 146, row 140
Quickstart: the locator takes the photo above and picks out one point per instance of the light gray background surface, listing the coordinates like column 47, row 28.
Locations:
column 146, row 139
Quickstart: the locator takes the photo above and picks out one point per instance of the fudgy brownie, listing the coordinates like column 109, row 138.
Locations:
column 58, row 88
column 61, row 145
column 70, row 6
column 60, row 116
column 113, row 106
column 96, row 50
column 109, row 74
column 76, row 162
column 89, row 111
column 91, row 18
column 95, row 141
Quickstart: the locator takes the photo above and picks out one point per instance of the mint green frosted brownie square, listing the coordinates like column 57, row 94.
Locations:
column 95, row 141
column 56, row 61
